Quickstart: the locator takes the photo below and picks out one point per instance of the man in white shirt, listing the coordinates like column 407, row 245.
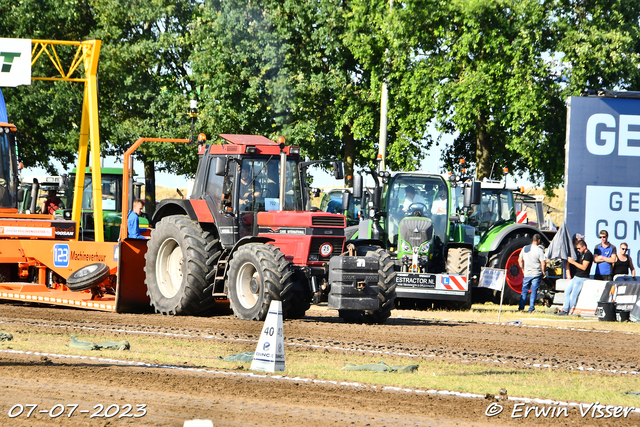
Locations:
column 439, row 206
column 412, row 198
column 533, row 264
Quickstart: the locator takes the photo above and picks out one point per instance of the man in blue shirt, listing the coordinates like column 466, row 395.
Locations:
column 133, row 220
column 604, row 255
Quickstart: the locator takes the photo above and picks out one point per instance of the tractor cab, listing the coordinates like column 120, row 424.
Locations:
column 417, row 223
column 8, row 168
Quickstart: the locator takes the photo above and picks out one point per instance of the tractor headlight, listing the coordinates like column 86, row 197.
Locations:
column 405, row 247
column 425, row 247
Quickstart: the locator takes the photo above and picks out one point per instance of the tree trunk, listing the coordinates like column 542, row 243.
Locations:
column 149, row 187
column 483, row 150
column 349, row 155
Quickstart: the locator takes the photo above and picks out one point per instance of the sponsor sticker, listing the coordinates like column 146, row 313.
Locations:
column 61, row 255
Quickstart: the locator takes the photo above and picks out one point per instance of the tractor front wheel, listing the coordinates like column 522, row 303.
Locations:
column 258, row 274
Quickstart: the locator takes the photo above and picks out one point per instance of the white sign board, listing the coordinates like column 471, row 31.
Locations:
column 15, row 62
column 492, row 278
column 615, row 209
column 272, row 204
column 269, row 354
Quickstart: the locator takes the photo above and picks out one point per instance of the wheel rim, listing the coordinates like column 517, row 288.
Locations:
column 85, row 271
column 248, row 285
column 169, row 268
column 514, row 273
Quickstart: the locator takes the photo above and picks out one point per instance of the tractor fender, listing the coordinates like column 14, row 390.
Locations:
column 196, row 209
column 514, row 229
column 246, row 240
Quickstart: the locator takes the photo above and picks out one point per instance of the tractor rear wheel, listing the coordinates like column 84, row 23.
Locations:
column 507, row 258
column 386, row 291
column 179, row 256
column 459, row 263
column 258, row 274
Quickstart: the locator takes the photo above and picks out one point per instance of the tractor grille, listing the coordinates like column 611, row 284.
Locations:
column 316, row 242
column 328, row 221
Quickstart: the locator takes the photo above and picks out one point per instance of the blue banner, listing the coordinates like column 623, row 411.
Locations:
column 3, row 109
column 601, row 170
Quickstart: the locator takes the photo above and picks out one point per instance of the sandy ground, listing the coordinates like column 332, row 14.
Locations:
column 232, row 398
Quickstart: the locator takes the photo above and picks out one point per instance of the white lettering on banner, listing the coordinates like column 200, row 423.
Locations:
column 614, row 209
column 629, row 131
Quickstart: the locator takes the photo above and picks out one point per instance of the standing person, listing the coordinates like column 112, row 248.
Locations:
column 133, row 220
column 583, row 266
column 624, row 263
column 533, row 264
column 604, row 256
column 570, row 268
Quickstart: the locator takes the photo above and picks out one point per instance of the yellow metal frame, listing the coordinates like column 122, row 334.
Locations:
column 87, row 53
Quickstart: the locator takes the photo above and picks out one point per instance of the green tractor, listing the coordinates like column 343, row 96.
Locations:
column 111, row 203
column 502, row 229
column 415, row 243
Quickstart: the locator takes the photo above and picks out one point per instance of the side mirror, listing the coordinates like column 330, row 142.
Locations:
column 472, row 194
column 221, row 166
column 357, row 186
column 346, row 200
column 315, row 192
column 338, row 172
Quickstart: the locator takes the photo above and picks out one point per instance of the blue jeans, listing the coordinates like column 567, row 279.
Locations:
column 534, row 284
column 572, row 292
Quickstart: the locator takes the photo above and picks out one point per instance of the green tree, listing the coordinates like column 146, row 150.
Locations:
column 491, row 83
column 288, row 68
column 47, row 114
column 145, row 82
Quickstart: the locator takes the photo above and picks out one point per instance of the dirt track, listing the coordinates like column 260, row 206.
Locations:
column 233, row 398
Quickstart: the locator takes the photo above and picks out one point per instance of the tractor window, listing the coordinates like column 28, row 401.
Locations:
column 260, row 185
column 417, row 195
column 214, row 183
column 111, row 193
column 496, row 206
column 5, row 172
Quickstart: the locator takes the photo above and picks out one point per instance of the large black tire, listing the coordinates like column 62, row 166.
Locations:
column 179, row 256
column 298, row 306
column 459, row 263
column 258, row 274
column 386, row 290
column 88, row 276
column 499, row 260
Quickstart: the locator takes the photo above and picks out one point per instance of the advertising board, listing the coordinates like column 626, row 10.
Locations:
column 602, row 170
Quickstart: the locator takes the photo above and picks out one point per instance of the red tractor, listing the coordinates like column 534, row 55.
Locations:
column 246, row 234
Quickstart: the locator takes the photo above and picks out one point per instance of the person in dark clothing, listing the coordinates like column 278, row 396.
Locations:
column 624, row 263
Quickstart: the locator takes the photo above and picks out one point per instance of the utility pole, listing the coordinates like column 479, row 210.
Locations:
column 384, row 108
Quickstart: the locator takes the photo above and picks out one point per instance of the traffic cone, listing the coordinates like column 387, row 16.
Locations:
column 269, row 355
